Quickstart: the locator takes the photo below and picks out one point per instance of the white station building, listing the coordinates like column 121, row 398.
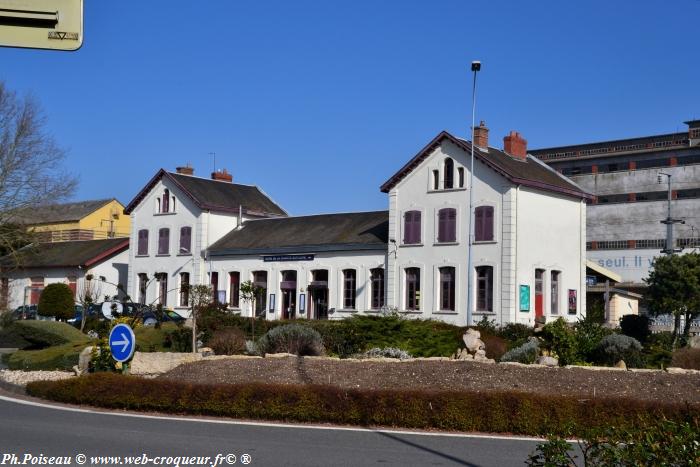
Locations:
column 528, row 254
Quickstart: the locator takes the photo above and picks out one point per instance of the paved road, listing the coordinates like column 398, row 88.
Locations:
column 28, row 429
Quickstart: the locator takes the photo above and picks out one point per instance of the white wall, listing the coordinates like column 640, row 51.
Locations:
column 334, row 262
column 206, row 229
column 551, row 236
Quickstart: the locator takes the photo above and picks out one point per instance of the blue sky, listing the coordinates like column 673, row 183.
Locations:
column 319, row 102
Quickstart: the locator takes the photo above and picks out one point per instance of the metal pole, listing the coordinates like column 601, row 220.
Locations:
column 476, row 66
column 669, row 227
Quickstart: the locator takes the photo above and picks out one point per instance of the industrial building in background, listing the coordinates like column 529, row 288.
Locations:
column 627, row 219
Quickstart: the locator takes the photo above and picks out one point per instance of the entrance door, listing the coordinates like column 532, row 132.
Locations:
column 539, row 293
column 319, row 303
column 289, row 294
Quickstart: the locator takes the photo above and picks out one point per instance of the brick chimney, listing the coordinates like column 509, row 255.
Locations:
column 185, row 170
column 222, row 176
column 481, row 135
column 515, row 145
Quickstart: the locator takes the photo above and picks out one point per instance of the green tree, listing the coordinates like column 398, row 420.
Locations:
column 57, row 300
column 249, row 293
column 674, row 288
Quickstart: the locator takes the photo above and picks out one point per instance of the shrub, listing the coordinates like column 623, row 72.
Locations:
column 101, row 358
column 228, row 341
column 178, row 339
column 386, row 352
column 560, row 339
column 616, row 347
column 42, row 334
column 526, row 353
column 291, row 338
column 57, row 300
column 58, row 357
column 494, row 412
column 486, row 326
column 588, row 335
column 652, row 442
column 515, row 333
column 686, row 358
column 153, row 339
column 635, row 326
column 663, row 340
column 6, row 318
column 495, row 346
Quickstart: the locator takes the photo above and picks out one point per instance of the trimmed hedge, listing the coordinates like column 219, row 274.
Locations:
column 52, row 345
column 496, row 412
column 41, row 334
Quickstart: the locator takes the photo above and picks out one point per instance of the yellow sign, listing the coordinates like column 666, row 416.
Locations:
column 41, row 24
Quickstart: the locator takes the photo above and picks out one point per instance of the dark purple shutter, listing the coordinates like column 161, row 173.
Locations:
column 416, row 226
column 442, row 225
column 451, row 225
column 163, row 241
column 479, row 224
column 411, row 227
column 407, row 221
column 488, row 223
column 143, row 242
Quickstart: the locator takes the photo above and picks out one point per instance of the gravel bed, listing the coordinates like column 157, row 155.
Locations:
column 21, row 378
column 445, row 375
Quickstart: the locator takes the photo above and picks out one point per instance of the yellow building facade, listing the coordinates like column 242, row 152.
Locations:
column 82, row 220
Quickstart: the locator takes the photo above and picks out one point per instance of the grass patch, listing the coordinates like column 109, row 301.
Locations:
column 58, row 357
column 41, row 334
column 495, row 412
column 152, row 339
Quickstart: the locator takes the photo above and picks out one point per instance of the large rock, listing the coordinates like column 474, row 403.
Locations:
column 84, row 360
column 154, row 363
column 472, row 340
column 694, row 342
column 547, row 361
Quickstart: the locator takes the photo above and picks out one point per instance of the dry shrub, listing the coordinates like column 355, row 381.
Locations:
column 686, row 357
column 227, row 341
column 495, row 346
column 491, row 411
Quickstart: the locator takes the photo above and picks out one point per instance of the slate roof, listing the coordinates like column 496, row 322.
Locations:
column 215, row 195
column 83, row 253
column 323, row 232
column 55, row 213
column 529, row 172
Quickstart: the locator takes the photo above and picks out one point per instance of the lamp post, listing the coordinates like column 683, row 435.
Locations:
column 476, row 67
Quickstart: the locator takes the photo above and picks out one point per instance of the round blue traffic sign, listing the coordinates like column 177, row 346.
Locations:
column 122, row 342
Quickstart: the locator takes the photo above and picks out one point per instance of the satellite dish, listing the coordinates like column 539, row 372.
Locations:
column 41, row 24
column 109, row 308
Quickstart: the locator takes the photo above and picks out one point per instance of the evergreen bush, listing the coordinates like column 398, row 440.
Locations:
column 386, row 352
column 616, row 347
column 635, row 326
column 291, row 338
column 559, row 338
column 57, row 300
column 526, row 353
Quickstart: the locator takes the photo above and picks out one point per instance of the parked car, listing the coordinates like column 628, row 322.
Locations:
column 25, row 312
column 111, row 310
column 150, row 317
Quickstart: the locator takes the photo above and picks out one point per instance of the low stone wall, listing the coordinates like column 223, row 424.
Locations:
column 155, row 363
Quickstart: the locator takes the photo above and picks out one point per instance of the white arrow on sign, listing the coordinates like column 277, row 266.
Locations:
column 124, row 343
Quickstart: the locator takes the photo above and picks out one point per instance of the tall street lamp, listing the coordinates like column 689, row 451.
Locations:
column 476, row 66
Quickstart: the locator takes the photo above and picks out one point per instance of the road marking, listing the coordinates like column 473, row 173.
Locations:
column 269, row 424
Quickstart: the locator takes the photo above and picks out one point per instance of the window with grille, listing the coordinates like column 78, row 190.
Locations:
column 447, row 288
column 484, row 288
column 377, row 284
column 413, row 288
column 349, row 288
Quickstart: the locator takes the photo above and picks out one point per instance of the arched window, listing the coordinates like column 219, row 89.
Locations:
column 447, row 225
column 449, row 173
column 166, row 201
column 436, row 180
column 411, row 227
column 483, row 224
